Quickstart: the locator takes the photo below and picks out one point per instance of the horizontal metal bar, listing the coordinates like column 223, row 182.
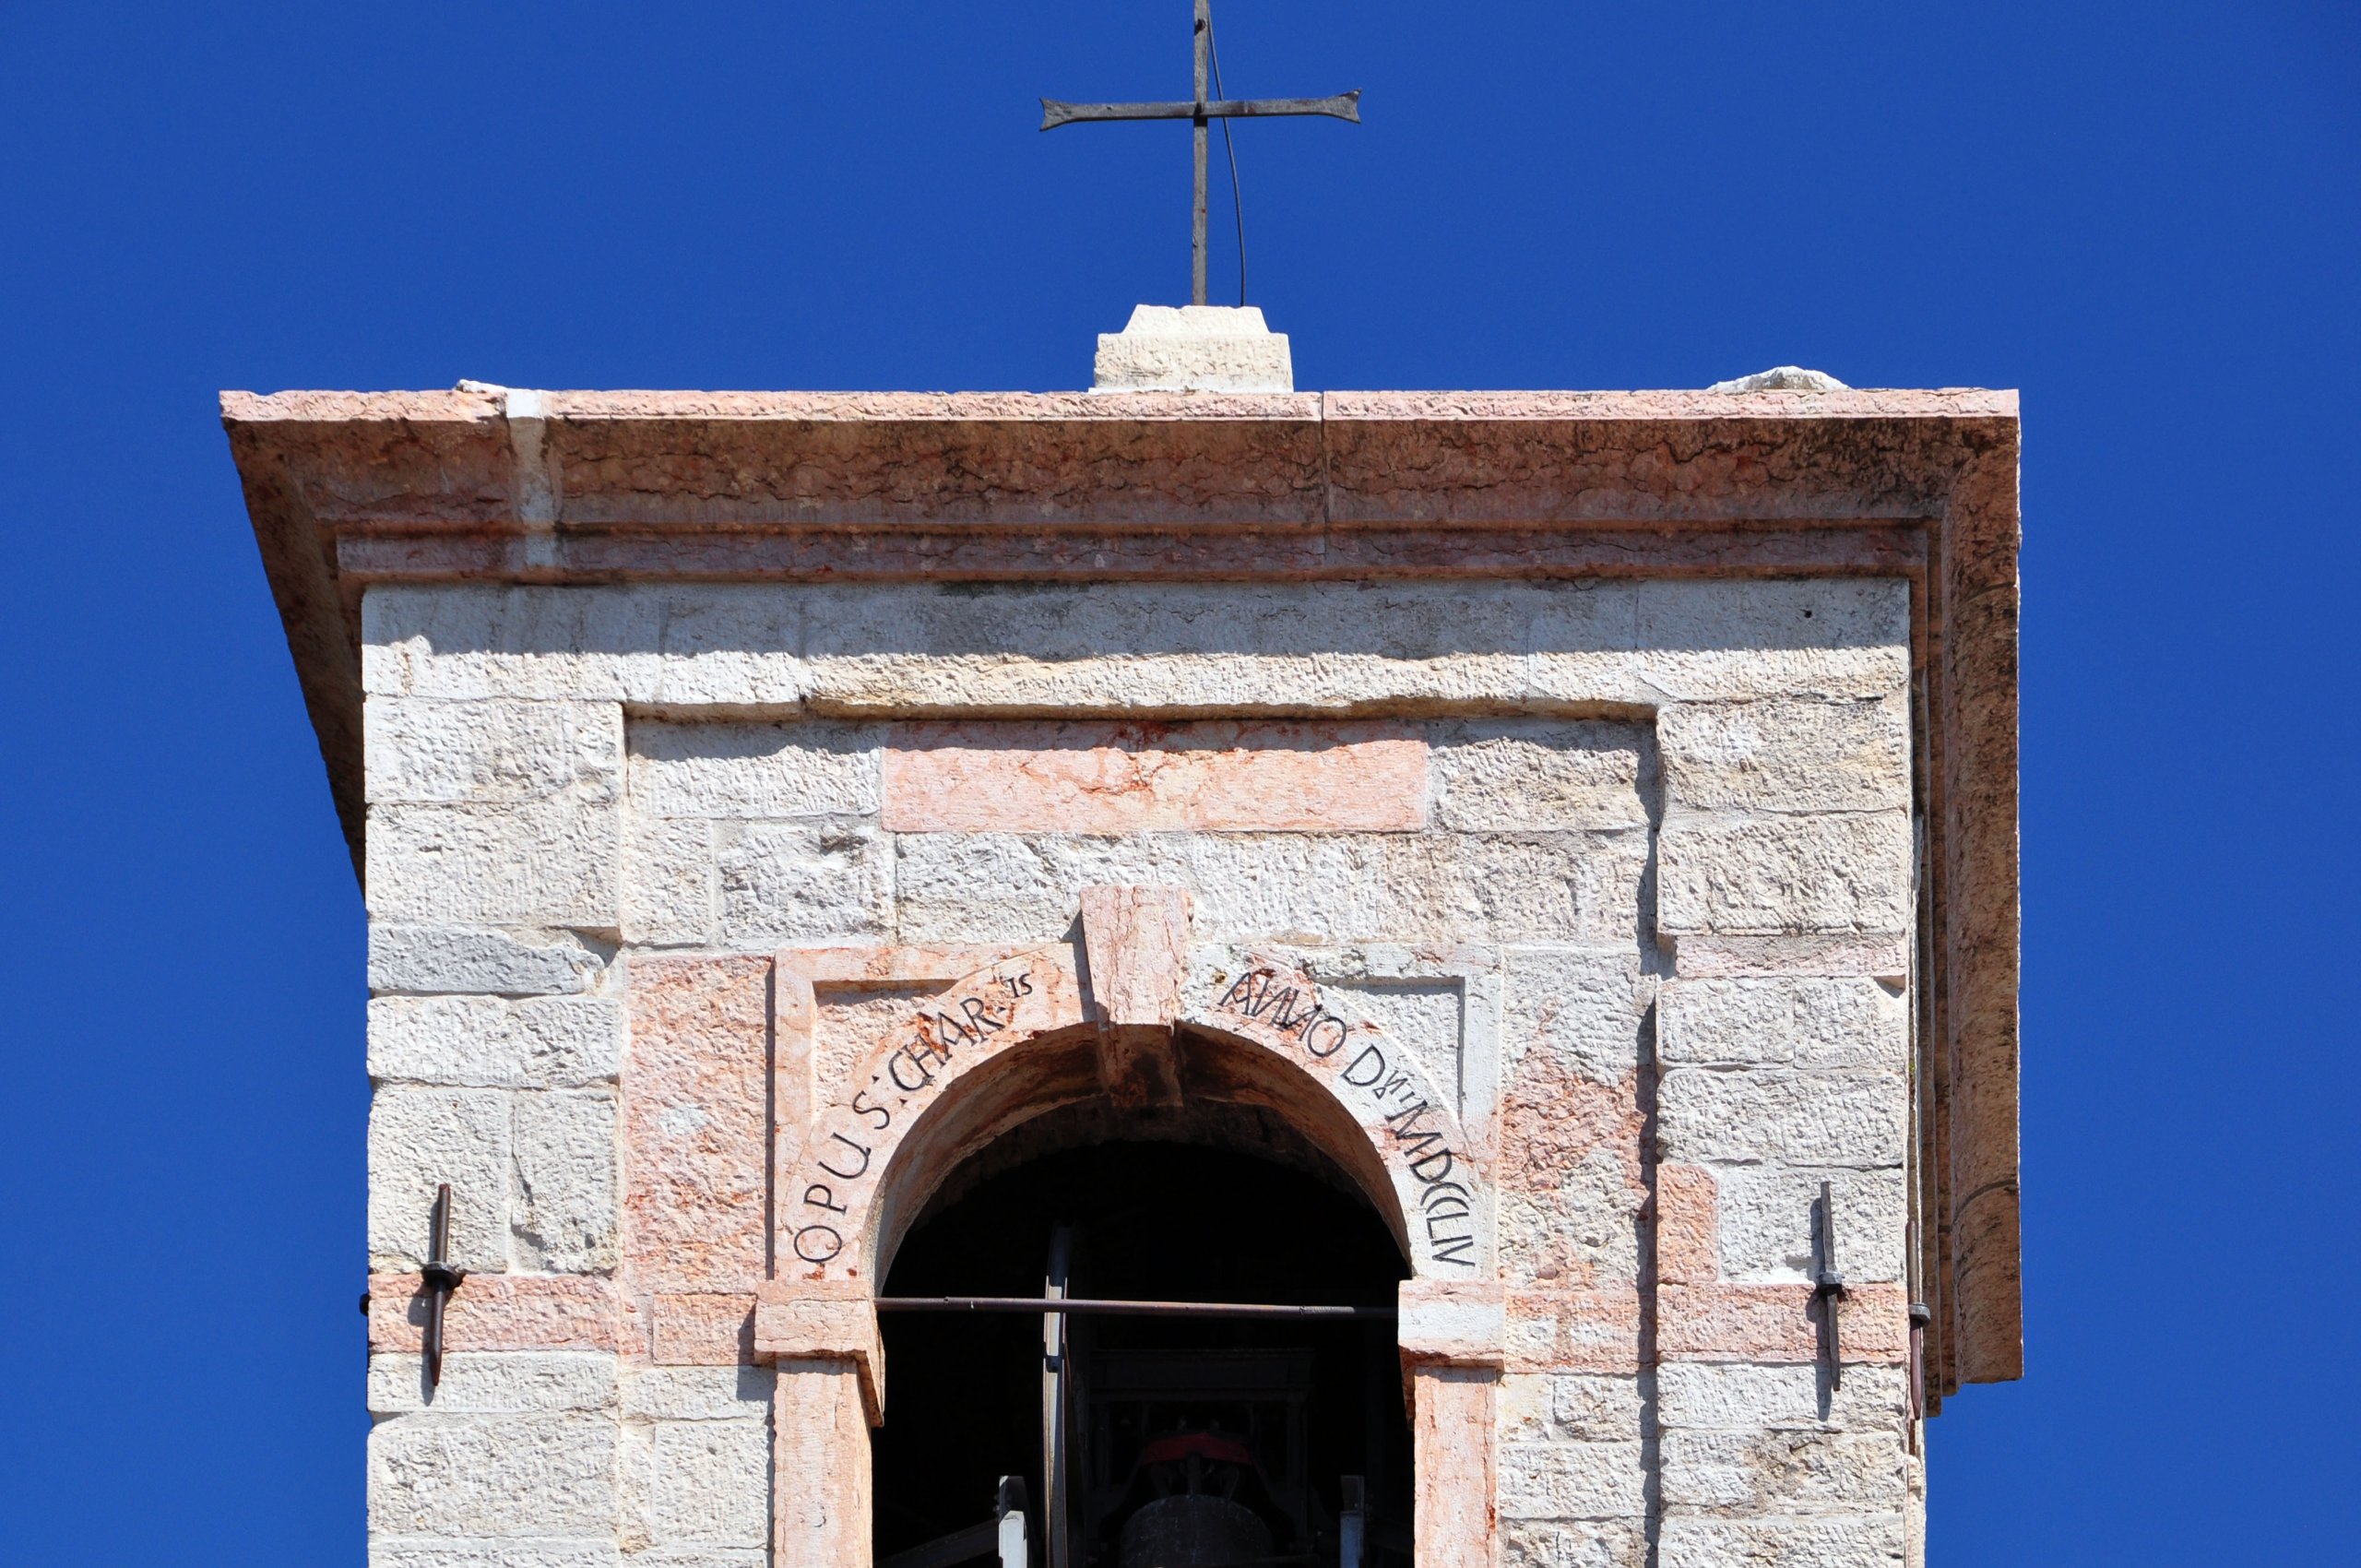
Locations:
column 1084, row 1307
column 1343, row 106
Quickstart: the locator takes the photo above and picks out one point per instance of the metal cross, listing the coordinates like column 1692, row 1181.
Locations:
column 1202, row 112
column 438, row 1279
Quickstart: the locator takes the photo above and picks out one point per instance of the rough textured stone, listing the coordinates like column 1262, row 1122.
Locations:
column 773, row 771
column 1775, row 1323
column 429, row 960
column 1741, row 1398
column 1777, row 1471
column 795, row 882
column 537, row 1476
column 1813, row 1023
column 671, row 881
column 1573, row 1480
column 399, row 1551
column 1688, row 1225
column 698, row 1482
column 697, row 1328
column 1572, row 1407
column 1771, row 876
column 1787, row 756
column 480, row 1042
column 420, row 1138
column 1194, row 348
column 1722, row 641
column 499, row 1312
column 1765, row 1225
column 1106, row 778
column 1523, row 775
column 696, row 1110
column 546, row 862
column 697, row 1393
column 563, row 1216
column 476, row 1383
column 452, row 752
column 1584, row 1010
column 1872, row 1542
column 1708, row 1117
column 1577, row 1543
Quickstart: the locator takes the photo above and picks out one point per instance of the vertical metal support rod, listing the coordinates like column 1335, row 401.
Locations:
column 440, row 1279
column 1198, row 129
column 1055, row 1381
column 1828, row 1289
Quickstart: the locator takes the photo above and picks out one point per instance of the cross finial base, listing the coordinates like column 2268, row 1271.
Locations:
column 1194, row 348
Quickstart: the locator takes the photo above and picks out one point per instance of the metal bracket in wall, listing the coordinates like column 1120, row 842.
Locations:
column 439, row 1278
column 1828, row 1288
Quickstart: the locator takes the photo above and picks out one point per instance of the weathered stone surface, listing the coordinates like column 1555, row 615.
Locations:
column 1872, row 1542
column 1291, row 887
column 563, row 1216
column 697, row 1393
column 1573, row 1480
column 429, row 960
column 1572, row 1407
column 1103, row 777
column 476, row 1383
column 1765, row 1230
column 1787, row 756
column 499, row 1312
column 1454, row 1413
column 427, row 752
column 1743, row 1397
column 1777, row 875
column 1722, row 641
column 554, row 862
column 1814, row 1023
column 1524, row 776
column 1688, row 1225
column 1572, row 1330
column 698, row 1328
column 432, row 1552
column 482, row 1041
column 1775, row 1323
column 1573, row 1543
column 796, row 883
column 671, row 881
column 1584, row 1010
column 1777, row 1471
column 1194, row 348
column 535, row 1476
column 1708, row 1117
column 420, row 1138
column 772, row 771
column 697, row 1482
column 695, row 1122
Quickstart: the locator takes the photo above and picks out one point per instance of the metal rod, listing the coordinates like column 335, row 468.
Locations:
column 1341, row 106
column 440, row 1279
column 1828, row 1288
column 1197, row 149
column 1079, row 1306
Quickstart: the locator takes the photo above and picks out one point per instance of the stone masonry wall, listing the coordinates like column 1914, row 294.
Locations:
column 1627, row 865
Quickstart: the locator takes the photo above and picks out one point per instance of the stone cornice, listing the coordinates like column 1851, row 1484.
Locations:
column 347, row 490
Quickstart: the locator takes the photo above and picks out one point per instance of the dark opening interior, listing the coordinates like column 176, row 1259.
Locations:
column 1267, row 1415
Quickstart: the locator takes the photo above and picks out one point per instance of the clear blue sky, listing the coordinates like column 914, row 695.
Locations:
column 2143, row 215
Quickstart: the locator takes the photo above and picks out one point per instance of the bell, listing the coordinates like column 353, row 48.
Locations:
column 1193, row 1530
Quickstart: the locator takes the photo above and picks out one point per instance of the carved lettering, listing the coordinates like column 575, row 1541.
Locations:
column 818, row 1243
column 1311, row 1035
column 1369, row 1053
column 820, row 1195
column 856, row 1172
column 884, row 1117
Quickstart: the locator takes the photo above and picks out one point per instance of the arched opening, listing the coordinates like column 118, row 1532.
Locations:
column 1184, row 1441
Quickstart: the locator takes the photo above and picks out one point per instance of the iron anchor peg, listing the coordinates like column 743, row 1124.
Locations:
column 439, row 1279
column 1828, row 1289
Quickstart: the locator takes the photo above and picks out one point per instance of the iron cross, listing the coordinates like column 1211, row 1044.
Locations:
column 1202, row 112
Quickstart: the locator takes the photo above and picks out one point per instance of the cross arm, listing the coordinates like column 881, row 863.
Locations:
column 1343, row 106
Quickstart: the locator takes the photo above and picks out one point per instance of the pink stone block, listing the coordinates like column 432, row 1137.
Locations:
column 1687, row 1226
column 498, row 1311
column 1109, row 777
column 1596, row 1331
column 695, row 1123
column 1777, row 1322
column 704, row 1328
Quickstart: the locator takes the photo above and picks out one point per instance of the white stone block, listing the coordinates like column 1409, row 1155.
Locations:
column 429, row 751
column 1787, row 757
column 420, row 1138
column 797, row 883
column 699, row 1483
column 1771, row 876
column 1573, row 1480
column 562, row 1215
column 432, row 1552
column 1717, row 641
column 1583, row 1231
column 1820, row 1024
column 535, row 1476
column 1582, row 1010
column 697, row 1393
column 548, row 862
column 1194, row 348
column 1526, row 776
column 671, row 882
column 1576, row 1544
column 1709, row 1117
column 1777, row 1471
column 1764, row 1222
column 1737, row 1397
column 700, row 1557
column 485, row 1382
column 1561, row 1407
column 433, row 959
column 1872, row 1542
column 542, row 1042
column 767, row 771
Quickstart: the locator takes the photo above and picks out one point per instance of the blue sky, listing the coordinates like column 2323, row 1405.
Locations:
column 2144, row 216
